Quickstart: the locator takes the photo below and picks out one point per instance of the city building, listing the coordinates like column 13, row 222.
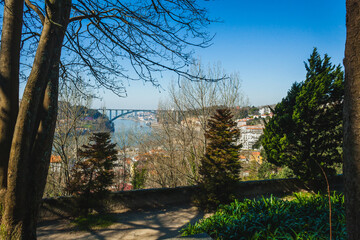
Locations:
column 249, row 135
column 241, row 122
column 55, row 163
column 264, row 110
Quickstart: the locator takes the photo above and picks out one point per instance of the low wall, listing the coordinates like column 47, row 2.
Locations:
column 63, row 207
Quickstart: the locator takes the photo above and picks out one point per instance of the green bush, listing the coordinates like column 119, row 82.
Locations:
column 304, row 217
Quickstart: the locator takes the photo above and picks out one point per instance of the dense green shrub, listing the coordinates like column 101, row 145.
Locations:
column 304, row 217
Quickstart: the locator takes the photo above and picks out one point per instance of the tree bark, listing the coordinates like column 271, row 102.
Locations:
column 34, row 129
column 352, row 120
column 9, row 81
column 41, row 153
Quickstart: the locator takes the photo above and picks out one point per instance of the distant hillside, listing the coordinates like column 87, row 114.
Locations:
column 90, row 120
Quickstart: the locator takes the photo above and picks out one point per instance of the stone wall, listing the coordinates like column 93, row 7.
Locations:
column 63, row 207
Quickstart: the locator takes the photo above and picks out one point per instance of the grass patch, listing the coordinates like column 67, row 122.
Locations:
column 304, row 217
column 94, row 221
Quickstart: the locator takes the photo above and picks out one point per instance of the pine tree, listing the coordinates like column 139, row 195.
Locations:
column 306, row 131
column 220, row 167
column 93, row 174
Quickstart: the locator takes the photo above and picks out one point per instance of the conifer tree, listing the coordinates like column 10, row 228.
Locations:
column 220, row 167
column 139, row 176
column 93, row 174
column 306, row 131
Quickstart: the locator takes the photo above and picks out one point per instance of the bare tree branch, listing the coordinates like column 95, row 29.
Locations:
column 36, row 9
column 102, row 38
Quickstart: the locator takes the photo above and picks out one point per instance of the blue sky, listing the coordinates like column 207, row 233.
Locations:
column 266, row 42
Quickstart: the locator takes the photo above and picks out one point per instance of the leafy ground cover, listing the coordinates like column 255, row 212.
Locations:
column 304, row 216
column 94, row 221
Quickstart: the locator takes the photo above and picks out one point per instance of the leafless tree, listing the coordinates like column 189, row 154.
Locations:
column 183, row 122
column 57, row 39
column 72, row 109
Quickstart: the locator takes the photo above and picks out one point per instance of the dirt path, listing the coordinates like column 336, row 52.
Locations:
column 148, row 224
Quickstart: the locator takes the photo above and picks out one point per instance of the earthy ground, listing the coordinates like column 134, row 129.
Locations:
column 147, row 224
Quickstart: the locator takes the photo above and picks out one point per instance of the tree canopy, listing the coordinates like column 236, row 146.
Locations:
column 305, row 133
column 116, row 41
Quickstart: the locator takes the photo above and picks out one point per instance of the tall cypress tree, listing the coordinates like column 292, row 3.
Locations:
column 220, row 167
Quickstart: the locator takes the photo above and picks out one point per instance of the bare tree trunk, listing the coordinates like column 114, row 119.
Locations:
column 34, row 130
column 352, row 120
column 41, row 153
column 9, row 81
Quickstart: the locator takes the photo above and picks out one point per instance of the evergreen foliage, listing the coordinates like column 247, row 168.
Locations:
column 93, row 175
column 220, row 167
column 305, row 133
column 139, row 177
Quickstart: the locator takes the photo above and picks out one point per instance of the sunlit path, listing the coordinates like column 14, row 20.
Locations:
column 148, row 224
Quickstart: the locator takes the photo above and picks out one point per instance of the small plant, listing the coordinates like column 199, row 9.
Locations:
column 304, row 217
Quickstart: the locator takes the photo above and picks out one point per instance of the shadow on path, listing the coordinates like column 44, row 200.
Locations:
column 160, row 223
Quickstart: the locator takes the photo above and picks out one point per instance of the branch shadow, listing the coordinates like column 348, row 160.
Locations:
column 159, row 223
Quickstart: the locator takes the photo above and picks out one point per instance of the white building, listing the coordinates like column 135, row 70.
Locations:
column 55, row 164
column 249, row 135
column 264, row 110
column 241, row 122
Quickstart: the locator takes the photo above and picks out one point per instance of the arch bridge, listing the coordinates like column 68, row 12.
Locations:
column 114, row 114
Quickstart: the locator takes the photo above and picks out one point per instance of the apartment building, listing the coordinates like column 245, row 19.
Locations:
column 249, row 135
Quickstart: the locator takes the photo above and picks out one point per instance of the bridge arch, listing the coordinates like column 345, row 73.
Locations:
column 114, row 114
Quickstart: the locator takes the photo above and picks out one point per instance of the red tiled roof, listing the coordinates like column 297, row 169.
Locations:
column 256, row 153
column 253, row 127
column 55, row 159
